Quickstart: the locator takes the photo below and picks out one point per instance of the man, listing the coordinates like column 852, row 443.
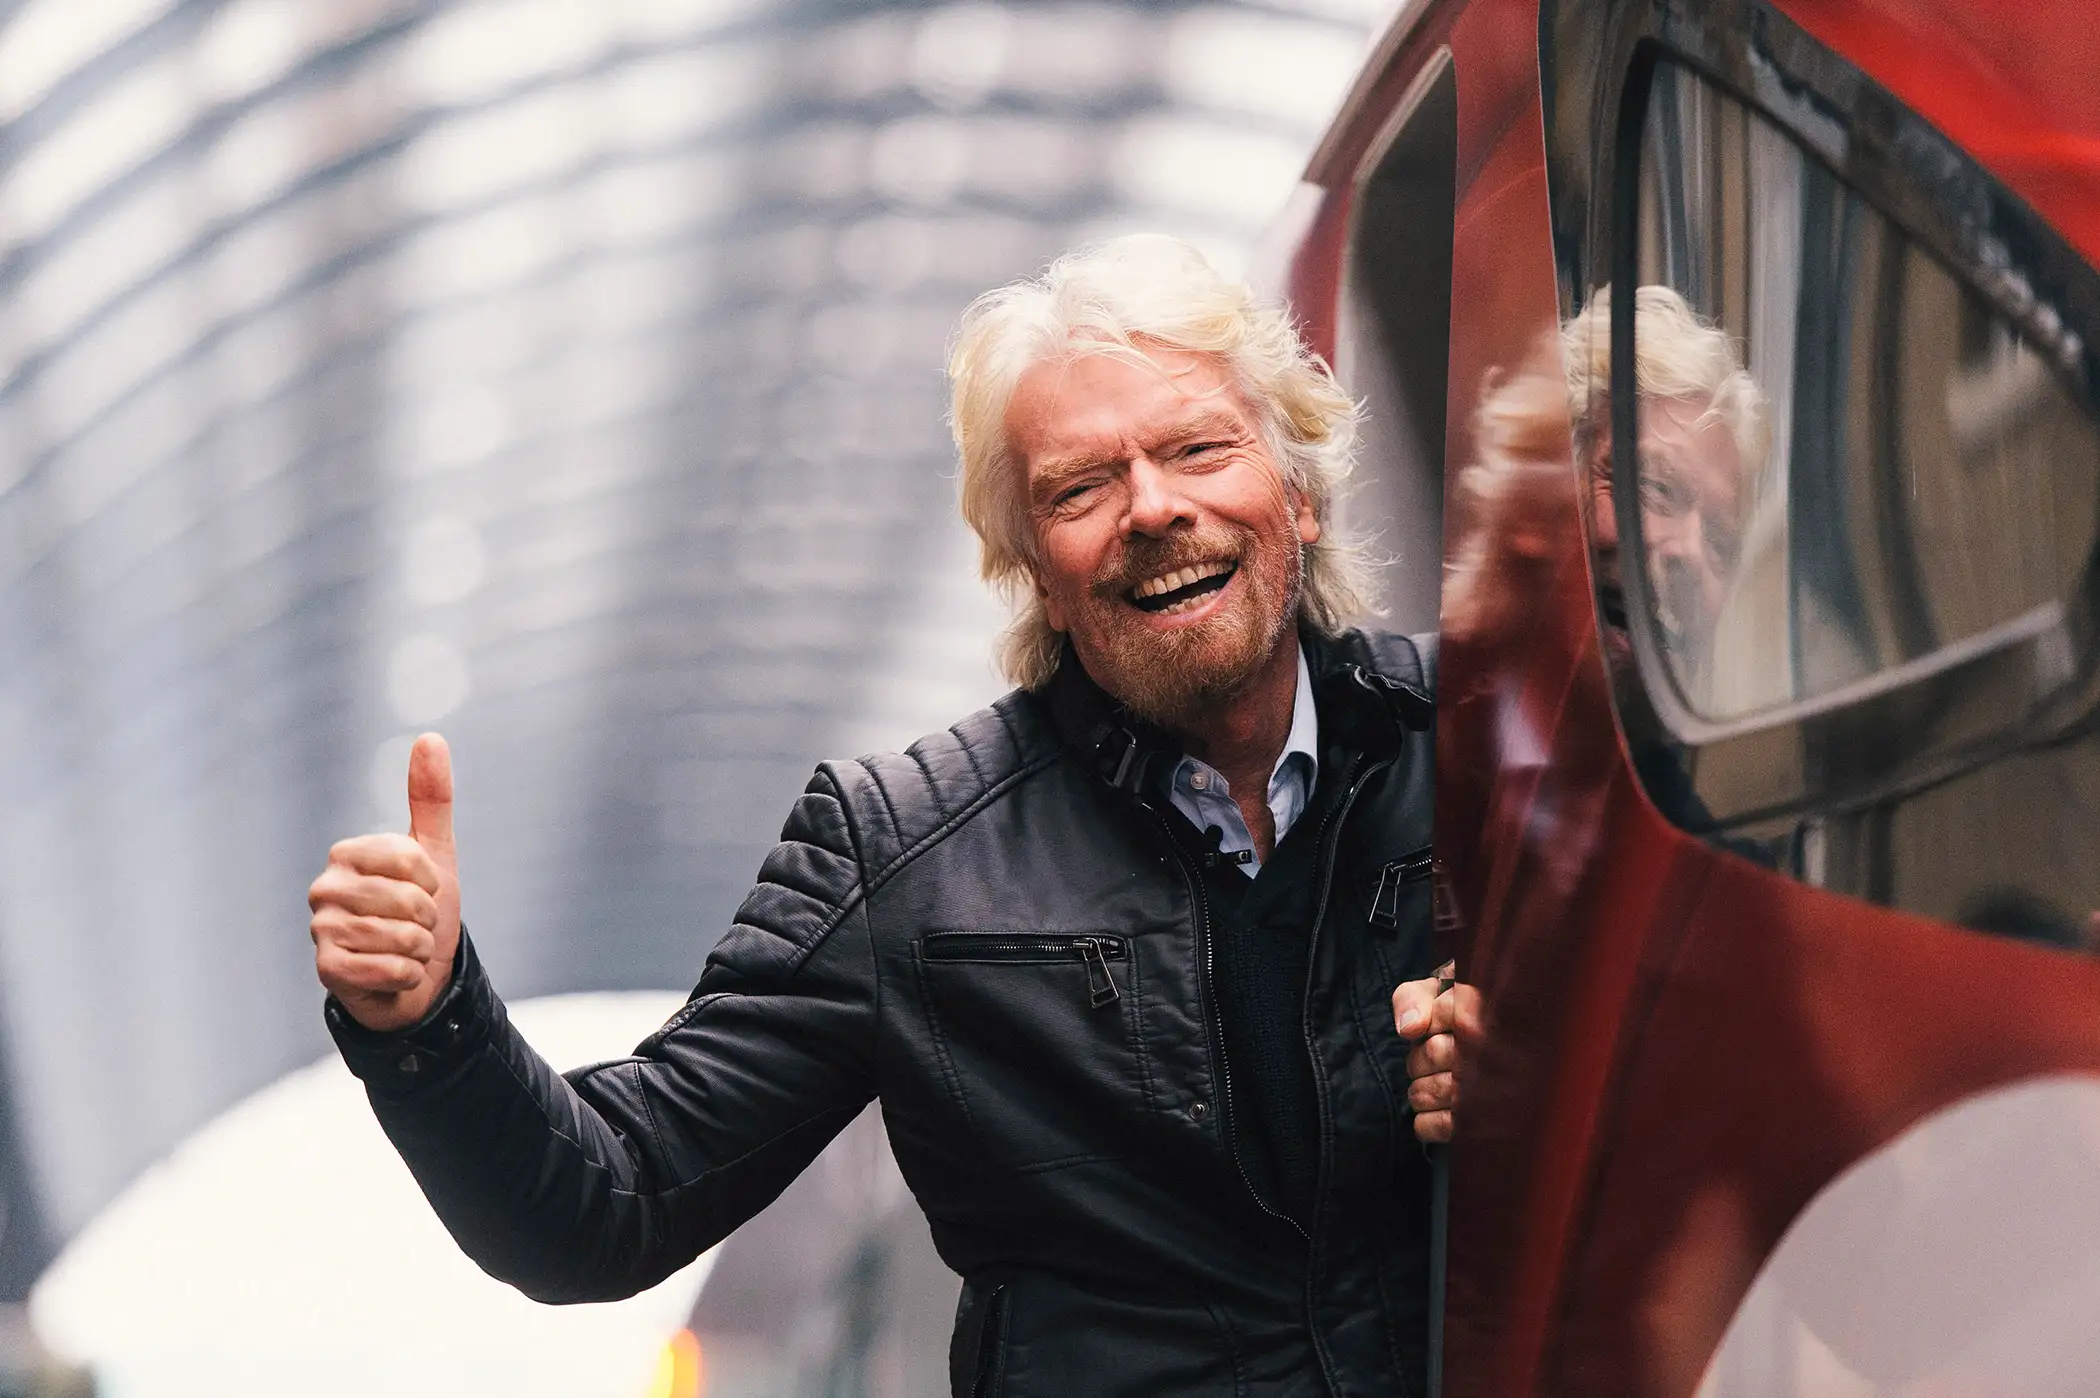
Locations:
column 1702, row 448
column 1702, row 438
column 1118, row 955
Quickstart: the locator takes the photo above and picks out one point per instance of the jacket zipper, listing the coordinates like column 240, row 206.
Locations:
column 1210, row 1025
column 1330, row 840
column 1094, row 954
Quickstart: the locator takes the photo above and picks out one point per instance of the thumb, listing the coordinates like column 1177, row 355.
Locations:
column 430, row 795
column 1414, row 1005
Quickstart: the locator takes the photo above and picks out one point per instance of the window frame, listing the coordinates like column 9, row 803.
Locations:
column 1961, row 705
column 1411, row 473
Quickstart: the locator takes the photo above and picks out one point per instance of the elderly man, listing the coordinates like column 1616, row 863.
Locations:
column 1119, row 954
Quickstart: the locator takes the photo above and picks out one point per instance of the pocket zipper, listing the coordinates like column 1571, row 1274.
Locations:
column 1385, row 903
column 991, row 1345
column 1094, row 953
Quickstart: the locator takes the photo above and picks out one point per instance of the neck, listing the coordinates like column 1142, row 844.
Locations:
column 1243, row 736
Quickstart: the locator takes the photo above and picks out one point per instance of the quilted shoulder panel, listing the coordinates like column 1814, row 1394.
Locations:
column 809, row 881
column 902, row 804
column 858, row 822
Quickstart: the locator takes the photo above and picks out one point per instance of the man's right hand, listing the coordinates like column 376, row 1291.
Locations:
column 386, row 909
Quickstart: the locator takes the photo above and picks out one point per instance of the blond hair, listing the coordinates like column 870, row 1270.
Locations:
column 1123, row 297
column 1676, row 356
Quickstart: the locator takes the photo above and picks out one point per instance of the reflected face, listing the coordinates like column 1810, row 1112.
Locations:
column 1691, row 479
column 1169, row 547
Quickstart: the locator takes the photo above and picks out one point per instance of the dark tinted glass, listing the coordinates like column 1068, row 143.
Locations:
column 1848, row 460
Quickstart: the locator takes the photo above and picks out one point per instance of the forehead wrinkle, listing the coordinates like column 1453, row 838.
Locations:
column 1204, row 419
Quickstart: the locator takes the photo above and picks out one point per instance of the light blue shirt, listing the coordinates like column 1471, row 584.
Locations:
column 1200, row 792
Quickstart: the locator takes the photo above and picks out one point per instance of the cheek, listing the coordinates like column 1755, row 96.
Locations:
column 1067, row 570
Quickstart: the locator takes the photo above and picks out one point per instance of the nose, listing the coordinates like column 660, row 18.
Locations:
column 1676, row 537
column 1156, row 501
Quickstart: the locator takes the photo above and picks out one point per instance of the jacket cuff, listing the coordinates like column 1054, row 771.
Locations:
column 431, row 1051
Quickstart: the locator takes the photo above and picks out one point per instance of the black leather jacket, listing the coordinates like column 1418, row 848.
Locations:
column 999, row 935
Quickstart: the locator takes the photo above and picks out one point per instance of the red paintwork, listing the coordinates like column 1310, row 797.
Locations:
column 1683, row 1049
column 2016, row 83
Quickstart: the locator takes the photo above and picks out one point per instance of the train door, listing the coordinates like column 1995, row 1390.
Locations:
column 1793, row 1082
column 1768, row 764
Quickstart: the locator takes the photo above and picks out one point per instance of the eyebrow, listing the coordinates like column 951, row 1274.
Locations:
column 1051, row 476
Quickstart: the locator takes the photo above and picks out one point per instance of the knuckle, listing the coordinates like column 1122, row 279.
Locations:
column 353, row 853
column 328, row 965
column 381, row 858
column 386, row 896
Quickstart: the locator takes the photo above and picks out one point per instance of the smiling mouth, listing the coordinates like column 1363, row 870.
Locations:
column 1182, row 588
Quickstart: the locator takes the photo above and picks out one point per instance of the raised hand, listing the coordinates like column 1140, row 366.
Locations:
column 386, row 909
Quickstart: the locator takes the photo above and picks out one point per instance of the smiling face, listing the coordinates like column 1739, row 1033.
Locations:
column 1691, row 480
column 1168, row 546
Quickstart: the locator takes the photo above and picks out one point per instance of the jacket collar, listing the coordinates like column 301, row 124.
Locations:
column 1359, row 706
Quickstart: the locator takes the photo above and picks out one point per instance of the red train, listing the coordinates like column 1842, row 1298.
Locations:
column 1768, row 758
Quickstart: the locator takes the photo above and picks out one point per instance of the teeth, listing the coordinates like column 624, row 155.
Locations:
column 1180, row 578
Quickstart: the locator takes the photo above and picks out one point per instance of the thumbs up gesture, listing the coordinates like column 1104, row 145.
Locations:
column 386, row 909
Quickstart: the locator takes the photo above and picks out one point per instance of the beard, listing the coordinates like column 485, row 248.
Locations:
column 1175, row 679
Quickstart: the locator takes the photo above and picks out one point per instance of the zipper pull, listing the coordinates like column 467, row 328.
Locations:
column 1385, row 903
column 1099, row 983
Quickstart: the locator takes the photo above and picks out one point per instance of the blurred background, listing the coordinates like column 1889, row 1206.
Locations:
column 564, row 375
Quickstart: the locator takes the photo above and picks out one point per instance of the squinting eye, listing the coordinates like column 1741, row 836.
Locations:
column 1195, row 447
column 1066, row 497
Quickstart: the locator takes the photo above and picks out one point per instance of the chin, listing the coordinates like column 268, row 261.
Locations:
column 1174, row 679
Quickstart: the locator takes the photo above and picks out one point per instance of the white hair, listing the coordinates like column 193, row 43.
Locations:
column 1123, row 297
column 1677, row 356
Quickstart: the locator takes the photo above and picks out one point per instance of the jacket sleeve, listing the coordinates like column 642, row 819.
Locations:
column 595, row 1185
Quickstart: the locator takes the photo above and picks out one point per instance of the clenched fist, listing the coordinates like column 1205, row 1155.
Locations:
column 386, row 909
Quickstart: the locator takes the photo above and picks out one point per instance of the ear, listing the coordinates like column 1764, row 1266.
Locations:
column 1052, row 612
column 1308, row 521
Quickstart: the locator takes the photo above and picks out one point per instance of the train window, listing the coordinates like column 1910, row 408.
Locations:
column 1845, row 553
column 1848, row 463
column 1396, row 334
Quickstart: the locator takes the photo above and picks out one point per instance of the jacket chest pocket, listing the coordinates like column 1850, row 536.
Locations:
column 1040, row 1038
column 1400, row 882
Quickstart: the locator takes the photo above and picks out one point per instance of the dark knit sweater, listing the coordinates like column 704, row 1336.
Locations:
column 1261, row 941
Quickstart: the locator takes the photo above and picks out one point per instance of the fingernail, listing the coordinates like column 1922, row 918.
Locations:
column 1410, row 1021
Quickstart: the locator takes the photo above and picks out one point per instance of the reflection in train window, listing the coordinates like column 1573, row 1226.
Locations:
column 1848, row 460
column 1843, row 571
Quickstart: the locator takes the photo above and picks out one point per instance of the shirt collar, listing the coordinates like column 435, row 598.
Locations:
column 1304, row 737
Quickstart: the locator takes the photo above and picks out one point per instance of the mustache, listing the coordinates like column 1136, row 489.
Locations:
column 1141, row 560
